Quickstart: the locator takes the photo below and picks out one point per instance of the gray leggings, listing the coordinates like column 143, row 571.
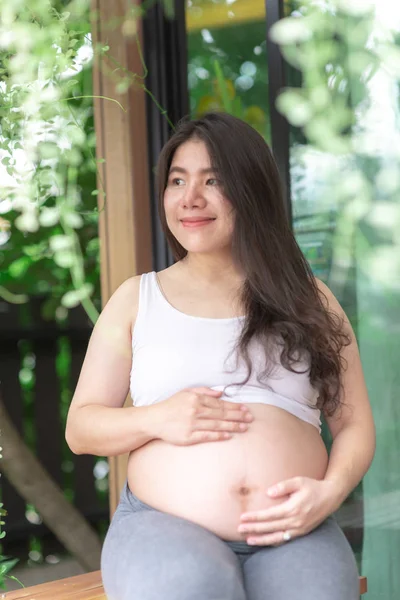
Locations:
column 152, row 555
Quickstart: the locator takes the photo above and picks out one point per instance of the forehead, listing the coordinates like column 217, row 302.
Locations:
column 191, row 152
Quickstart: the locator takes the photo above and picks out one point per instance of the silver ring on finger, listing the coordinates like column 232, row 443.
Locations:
column 286, row 536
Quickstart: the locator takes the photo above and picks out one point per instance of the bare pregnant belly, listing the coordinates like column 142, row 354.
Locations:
column 213, row 483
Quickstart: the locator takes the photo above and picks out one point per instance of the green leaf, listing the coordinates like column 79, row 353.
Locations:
column 7, row 565
column 295, row 107
column 60, row 242
column 71, row 83
column 93, row 246
column 49, row 216
column 35, row 251
column 290, row 30
column 73, row 157
column 74, row 297
column 73, row 219
column 75, row 135
column 64, row 259
column 169, row 8
column 19, row 267
column 123, row 86
column 48, row 150
column 222, row 87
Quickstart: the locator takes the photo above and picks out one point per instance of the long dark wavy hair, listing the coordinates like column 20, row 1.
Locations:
column 280, row 296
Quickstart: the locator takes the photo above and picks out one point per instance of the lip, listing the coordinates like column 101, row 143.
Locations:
column 196, row 222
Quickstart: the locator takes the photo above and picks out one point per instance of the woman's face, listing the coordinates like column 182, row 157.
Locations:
column 197, row 213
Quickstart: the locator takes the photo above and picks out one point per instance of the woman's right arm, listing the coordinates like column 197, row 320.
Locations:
column 93, row 424
column 98, row 424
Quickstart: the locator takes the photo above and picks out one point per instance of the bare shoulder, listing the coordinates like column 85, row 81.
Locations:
column 332, row 304
column 122, row 306
column 104, row 378
column 324, row 290
column 328, row 298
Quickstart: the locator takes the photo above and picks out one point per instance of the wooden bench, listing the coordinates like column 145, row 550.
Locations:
column 81, row 587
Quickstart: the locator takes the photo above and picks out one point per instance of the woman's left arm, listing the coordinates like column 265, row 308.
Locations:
column 311, row 501
column 352, row 428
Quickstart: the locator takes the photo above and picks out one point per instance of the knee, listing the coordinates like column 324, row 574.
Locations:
column 319, row 565
column 197, row 575
column 212, row 579
column 173, row 577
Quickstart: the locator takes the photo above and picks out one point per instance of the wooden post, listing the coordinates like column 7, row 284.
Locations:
column 124, row 223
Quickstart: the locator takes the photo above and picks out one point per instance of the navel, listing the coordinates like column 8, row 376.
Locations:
column 244, row 491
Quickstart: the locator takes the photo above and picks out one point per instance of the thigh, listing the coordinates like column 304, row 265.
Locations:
column 318, row 566
column 151, row 555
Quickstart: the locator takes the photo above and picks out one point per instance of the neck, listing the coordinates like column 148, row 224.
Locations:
column 212, row 270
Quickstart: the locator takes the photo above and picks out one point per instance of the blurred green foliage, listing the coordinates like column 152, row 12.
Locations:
column 227, row 70
column 48, row 201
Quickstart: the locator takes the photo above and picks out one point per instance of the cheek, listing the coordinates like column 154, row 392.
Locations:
column 170, row 211
column 168, row 206
column 229, row 216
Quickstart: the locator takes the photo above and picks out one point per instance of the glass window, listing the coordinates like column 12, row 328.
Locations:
column 346, row 212
column 227, row 65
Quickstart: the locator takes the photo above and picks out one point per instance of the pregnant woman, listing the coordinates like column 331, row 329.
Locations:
column 232, row 355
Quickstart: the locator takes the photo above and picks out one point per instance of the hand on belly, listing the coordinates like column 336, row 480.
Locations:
column 307, row 502
column 214, row 483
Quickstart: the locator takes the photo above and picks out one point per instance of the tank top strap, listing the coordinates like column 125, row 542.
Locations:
column 147, row 293
column 151, row 309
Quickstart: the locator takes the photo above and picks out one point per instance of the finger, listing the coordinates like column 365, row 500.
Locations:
column 268, row 527
column 286, row 487
column 239, row 415
column 218, row 425
column 222, row 405
column 270, row 539
column 198, row 437
column 273, row 513
column 206, row 391
column 229, row 415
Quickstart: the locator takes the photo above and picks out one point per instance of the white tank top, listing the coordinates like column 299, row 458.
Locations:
column 173, row 351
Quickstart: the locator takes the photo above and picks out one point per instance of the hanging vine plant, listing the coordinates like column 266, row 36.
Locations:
column 50, row 199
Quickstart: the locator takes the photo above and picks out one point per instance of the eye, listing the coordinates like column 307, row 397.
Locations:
column 177, row 181
column 213, row 181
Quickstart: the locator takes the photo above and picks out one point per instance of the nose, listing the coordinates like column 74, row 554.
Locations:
column 192, row 196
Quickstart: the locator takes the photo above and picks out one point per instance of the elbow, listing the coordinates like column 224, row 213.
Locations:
column 72, row 444
column 370, row 437
column 71, row 438
column 373, row 445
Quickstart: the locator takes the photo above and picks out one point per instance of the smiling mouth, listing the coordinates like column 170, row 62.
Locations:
column 197, row 223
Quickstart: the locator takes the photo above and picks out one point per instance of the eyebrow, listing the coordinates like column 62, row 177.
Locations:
column 182, row 170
